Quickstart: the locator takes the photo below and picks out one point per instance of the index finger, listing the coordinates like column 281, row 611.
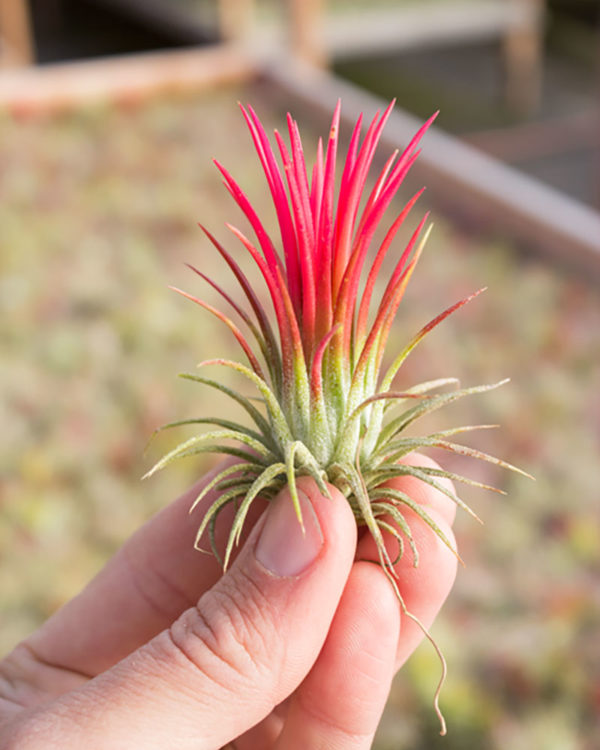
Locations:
column 151, row 580
column 424, row 587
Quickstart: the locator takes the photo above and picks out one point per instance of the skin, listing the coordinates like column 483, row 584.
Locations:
column 161, row 650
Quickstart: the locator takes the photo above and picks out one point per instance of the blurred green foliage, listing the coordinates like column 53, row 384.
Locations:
column 97, row 216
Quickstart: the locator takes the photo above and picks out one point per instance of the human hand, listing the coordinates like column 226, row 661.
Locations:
column 294, row 647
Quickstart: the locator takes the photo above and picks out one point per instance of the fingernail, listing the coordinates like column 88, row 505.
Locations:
column 283, row 548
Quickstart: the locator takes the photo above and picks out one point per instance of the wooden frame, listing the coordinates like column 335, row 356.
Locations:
column 316, row 36
column 472, row 187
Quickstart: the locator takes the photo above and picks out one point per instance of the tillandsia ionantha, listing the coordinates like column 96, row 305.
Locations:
column 325, row 406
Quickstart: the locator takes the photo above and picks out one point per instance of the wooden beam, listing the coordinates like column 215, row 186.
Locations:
column 67, row 85
column 523, row 47
column 367, row 31
column 305, row 23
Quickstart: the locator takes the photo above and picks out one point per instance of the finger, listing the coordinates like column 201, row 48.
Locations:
column 266, row 732
column 263, row 735
column 422, row 493
column 151, row 580
column 339, row 704
column 423, row 588
column 225, row 664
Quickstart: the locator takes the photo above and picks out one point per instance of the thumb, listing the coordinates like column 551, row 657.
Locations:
column 226, row 663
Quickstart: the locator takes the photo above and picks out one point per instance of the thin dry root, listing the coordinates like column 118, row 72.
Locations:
column 391, row 576
column 438, row 651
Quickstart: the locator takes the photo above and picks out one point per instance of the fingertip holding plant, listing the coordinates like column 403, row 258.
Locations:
column 326, row 407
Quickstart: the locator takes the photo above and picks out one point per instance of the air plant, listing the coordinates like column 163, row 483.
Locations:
column 326, row 408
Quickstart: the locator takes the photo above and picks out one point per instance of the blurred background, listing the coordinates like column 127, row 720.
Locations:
column 105, row 171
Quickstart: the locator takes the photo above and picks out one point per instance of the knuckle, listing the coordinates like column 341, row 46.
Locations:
column 158, row 593
column 341, row 730
column 230, row 636
column 28, row 680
